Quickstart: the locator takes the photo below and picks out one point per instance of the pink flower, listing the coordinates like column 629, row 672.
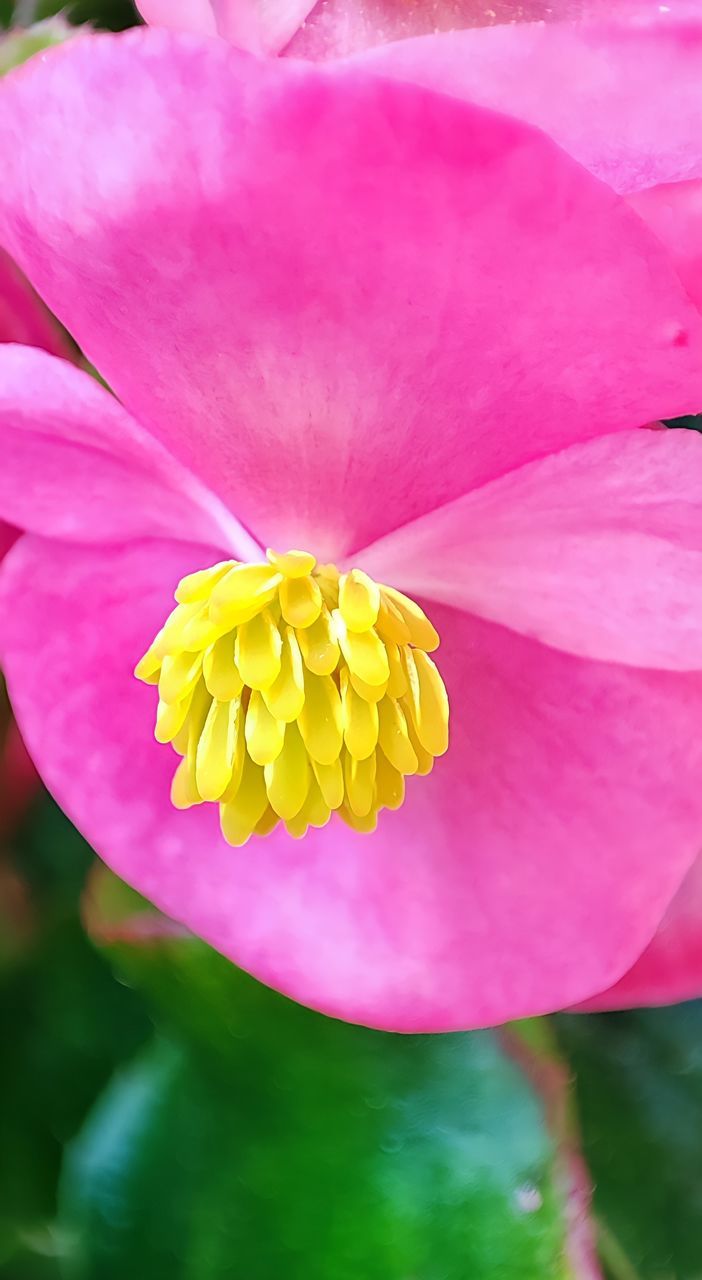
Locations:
column 320, row 29
column 618, row 93
column 408, row 335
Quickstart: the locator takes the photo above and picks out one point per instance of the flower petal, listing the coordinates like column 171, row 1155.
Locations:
column 622, row 96
column 670, row 968
column 596, row 550
column 8, row 537
column 180, row 15
column 673, row 211
column 336, row 28
column 522, row 875
column 261, row 26
column 343, row 363
column 76, row 466
column 23, row 316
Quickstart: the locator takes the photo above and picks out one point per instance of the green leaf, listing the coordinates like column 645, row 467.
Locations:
column 267, row 1142
column 388, row 1160
column 639, row 1086
column 65, row 1023
column 22, row 44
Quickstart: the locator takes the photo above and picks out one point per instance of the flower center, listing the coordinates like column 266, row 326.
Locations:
column 291, row 692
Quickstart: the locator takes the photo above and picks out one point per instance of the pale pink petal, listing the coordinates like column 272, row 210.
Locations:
column 596, row 550
column 391, row 296
column 23, row 316
column 674, row 212
column 523, row 875
column 180, row 15
column 623, row 97
column 336, row 28
column 670, row 968
column 261, row 26
column 76, row 465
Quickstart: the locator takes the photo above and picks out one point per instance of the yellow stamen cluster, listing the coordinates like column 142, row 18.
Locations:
column 291, row 692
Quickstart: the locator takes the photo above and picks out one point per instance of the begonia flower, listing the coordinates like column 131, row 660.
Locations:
column 618, row 92
column 405, row 336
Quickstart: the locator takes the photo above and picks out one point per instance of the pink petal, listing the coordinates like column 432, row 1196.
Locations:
column 674, row 212
column 8, row 537
column 670, row 968
column 180, row 15
column 23, row 316
column 75, row 465
column 261, row 26
column 623, row 97
column 596, row 550
column 335, row 348
column 336, row 28
column 523, row 875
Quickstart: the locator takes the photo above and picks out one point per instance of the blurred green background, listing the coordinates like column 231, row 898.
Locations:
column 111, row 14
column 164, row 1116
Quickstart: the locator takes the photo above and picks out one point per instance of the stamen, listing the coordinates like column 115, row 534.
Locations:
column 292, row 693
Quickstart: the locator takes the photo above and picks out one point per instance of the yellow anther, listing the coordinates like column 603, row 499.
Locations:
column 427, row 701
column 371, row 692
column 314, row 813
column 216, row 749
column 179, row 675
column 432, row 726
column 319, row 646
column 240, row 815
column 288, row 776
column 257, row 651
column 330, row 778
column 320, row 720
column 366, row 824
column 300, row 601
column 359, row 777
column 397, row 684
column 198, row 586
column 170, row 637
column 267, row 823
column 422, row 633
column 293, row 693
column 221, row 675
column 360, row 720
column 184, row 794
column 242, row 592
column 148, row 668
column 391, row 624
column 359, row 600
column 285, row 698
column 364, row 652
column 264, row 734
column 425, row 760
column 389, row 783
column 394, row 738
column 293, row 564
column 170, row 718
